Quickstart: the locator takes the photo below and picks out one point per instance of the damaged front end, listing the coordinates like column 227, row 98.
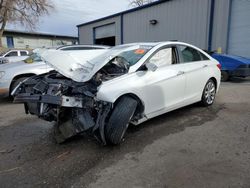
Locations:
column 68, row 95
column 72, row 105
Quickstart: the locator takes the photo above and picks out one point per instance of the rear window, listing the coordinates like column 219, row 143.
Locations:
column 189, row 54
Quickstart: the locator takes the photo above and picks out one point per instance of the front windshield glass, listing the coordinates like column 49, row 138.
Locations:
column 34, row 57
column 129, row 54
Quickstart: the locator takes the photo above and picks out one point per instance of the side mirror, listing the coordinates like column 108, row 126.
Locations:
column 151, row 66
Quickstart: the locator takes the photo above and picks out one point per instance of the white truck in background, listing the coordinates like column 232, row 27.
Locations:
column 13, row 56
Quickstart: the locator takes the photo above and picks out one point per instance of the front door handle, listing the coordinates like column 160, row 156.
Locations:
column 180, row 73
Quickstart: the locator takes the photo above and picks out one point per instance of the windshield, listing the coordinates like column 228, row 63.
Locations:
column 130, row 54
column 34, row 57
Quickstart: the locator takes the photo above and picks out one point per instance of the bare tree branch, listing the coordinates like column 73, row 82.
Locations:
column 138, row 3
column 26, row 12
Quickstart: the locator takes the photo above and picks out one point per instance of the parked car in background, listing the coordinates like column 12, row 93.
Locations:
column 82, row 47
column 232, row 66
column 11, row 74
column 127, row 84
column 13, row 56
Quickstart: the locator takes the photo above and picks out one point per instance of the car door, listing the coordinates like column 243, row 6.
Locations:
column 195, row 65
column 164, row 87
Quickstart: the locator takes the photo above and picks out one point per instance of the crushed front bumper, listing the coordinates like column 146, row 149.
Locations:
column 71, row 116
column 63, row 101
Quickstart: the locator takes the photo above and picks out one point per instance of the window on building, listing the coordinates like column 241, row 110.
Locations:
column 10, row 41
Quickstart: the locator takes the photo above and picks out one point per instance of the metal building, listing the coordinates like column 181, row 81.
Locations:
column 22, row 39
column 209, row 24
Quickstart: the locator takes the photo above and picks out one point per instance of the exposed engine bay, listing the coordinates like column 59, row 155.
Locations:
column 72, row 105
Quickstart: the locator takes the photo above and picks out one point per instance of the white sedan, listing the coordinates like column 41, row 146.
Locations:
column 126, row 84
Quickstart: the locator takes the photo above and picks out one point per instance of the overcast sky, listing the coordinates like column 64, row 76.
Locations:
column 69, row 13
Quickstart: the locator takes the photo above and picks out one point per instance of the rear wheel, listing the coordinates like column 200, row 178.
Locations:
column 224, row 76
column 209, row 92
column 119, row 120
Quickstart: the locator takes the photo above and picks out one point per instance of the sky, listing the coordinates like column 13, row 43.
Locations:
column 69, row 13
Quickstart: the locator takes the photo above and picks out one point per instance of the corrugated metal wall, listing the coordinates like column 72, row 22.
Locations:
column 239, row 28
column 220, row 26
column 183, row 20
column 86, row 32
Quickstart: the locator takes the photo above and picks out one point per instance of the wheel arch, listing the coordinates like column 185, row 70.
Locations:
column 140, row 104
column 215, row 82
column 20, row 76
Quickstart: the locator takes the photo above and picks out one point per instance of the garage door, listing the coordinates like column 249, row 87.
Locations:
column 239, row 29
column 105, row 35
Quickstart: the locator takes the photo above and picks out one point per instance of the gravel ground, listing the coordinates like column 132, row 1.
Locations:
column 190, row 147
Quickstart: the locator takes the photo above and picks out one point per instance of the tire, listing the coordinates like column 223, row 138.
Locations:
column 119, row 120
column 15, row 83
column 208, row 95
column 224, row 76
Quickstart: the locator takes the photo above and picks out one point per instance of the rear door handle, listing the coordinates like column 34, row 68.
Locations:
column 180, row 73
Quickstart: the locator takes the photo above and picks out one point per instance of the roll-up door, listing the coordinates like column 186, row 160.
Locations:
column 105, row 35
column 239, row 28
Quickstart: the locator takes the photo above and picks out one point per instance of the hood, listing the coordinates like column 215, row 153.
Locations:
column 74, row 64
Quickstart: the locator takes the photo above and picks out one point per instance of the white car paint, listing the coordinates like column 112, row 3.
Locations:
column 168, row 88
column 160, row 90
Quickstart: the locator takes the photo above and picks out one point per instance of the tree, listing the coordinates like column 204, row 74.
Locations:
column 138, row 3
column 25, row 12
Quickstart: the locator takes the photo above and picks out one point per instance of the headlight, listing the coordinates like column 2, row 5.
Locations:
column 2, row 73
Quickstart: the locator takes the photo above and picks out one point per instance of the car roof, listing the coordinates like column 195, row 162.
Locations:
column 159, row 43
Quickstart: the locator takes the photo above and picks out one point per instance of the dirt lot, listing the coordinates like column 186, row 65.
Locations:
column 190, row 147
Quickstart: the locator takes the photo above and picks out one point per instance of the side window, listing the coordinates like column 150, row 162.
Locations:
column 189, row 54
column 162, row 57
column 23, row 53
column 12, row 53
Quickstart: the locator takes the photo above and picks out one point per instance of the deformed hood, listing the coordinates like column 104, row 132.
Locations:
column 74, row 64
column 82, row 65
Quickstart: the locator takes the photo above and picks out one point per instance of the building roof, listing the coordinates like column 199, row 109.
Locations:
column 6, row 32
column 125, row 12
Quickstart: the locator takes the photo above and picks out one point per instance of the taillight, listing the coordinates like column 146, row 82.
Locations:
column 219, row 66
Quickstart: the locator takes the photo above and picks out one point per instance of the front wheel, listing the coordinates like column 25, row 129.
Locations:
column 119, row 120
column 208, row 94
